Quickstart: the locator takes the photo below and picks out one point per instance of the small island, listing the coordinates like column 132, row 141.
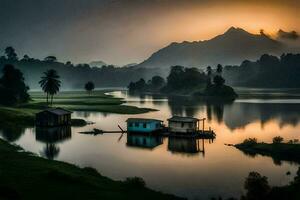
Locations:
column 188, row 82
column 278, row 149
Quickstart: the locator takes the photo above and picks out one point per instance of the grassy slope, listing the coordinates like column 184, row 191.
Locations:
column 81, row 101
column 30, row 177
column 76, row 101
column 282, row 151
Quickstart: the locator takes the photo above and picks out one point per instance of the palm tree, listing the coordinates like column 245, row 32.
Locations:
column 50, row 84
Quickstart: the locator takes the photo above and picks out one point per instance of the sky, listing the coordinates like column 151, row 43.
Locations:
column 129, row 31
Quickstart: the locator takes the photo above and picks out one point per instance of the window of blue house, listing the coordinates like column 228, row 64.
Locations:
column 136, row 124
column 130, row 124
column 144, row 125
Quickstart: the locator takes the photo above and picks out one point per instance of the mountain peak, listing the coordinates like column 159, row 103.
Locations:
column 234, row 30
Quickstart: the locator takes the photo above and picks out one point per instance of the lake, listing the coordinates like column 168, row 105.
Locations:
column 197, row 169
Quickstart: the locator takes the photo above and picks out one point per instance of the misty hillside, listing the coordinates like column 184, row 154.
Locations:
column 232, row 47
column 75, row 76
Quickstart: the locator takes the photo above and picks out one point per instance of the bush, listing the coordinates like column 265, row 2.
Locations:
column 257, row 186
column 277, row 140
column 250, row 141
column 136, row 182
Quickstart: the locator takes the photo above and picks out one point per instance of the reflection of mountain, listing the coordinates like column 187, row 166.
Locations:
column 143, row 141
column 240, row 114
column 186, row 145
column 12, row 134
column 52, row 136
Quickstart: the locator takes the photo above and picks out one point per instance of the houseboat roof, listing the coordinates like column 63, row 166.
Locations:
column 57, row 111
column 142, row 120
column 183, row 119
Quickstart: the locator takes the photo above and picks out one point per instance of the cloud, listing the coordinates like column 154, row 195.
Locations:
column 292, row 35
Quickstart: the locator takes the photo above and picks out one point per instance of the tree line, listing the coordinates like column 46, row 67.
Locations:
column 183, row 80
column 73, row 76
column 267, row 71
column 14, row 91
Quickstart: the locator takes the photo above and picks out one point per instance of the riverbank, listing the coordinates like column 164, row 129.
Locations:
column 26, row 176
column 99, row 101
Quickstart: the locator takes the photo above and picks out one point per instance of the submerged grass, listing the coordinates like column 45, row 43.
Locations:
column 25, row 176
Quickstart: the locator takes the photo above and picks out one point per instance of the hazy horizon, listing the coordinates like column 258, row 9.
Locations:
column 121, row 31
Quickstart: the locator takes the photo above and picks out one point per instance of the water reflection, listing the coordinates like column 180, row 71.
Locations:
column 12, row 133
column 189, row 106
column 241, row 114
column 166, row 158
column 52, row 136
column 186, row 146
column 143, row 141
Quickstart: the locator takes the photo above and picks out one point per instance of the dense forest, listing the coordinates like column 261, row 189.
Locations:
column 73, row 76
column 269, row 71
column 187, row 81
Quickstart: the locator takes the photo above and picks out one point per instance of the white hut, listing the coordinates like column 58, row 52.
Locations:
column 183, row 124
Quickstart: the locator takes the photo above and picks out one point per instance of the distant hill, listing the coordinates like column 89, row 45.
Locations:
column 232, row 47
column 98, row 63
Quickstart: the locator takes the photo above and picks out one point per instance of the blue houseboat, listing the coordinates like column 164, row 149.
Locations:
column 141, row 125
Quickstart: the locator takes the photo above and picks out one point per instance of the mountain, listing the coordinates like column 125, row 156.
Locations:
column 232, row 47
column 99, row 63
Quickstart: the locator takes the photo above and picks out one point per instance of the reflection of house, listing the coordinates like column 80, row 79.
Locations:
column 143, row 125
column 143, row 141
column 53, row 134
column 185, row 145
column 53, row 117
column 183, row 124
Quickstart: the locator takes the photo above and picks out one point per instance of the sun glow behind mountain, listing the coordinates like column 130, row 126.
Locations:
column 125, row 31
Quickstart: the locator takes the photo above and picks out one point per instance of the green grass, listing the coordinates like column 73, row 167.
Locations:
column 23, row 115
column 81, row 101
column 17, row 116
column 25, row 176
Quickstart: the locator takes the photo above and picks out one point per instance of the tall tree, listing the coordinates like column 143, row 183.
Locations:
column 219, row 69
column 13, row 89
column 209, row 74
column 11, row 53
column 89, row 87
column 50, row 84
column 157, row 81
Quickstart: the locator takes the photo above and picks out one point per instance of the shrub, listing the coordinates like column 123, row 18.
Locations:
column 136, row 182
column 277, row 140
column 250, row 141
column 257, row 186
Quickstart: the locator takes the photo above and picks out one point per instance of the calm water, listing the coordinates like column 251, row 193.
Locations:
column 193, row 169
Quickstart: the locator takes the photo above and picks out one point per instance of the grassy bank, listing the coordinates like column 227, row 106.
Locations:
column 24, row 176
column 81, row 101
column 23, row 115
column 280, row 151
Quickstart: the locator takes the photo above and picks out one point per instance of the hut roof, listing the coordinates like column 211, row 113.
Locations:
column 183, row 119
column 142, row 120
column 57, row 111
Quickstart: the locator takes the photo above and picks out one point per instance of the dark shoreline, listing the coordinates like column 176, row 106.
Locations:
column 27, row 176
